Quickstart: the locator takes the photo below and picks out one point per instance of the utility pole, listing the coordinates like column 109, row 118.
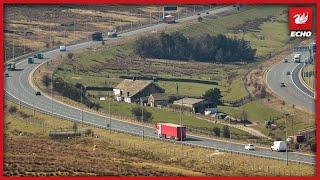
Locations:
column 109, row 112
column 180, row 115
column 81, row 108
column 142, row 119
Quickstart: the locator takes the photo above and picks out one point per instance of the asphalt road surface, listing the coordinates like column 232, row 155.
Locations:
column 19, row 89
column 294, row 92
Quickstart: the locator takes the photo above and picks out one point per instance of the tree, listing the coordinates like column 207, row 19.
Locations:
column 216, row 131
column 12, row 109
column 214, row 95
column 313, row 145
column 263, row 92
column 46, row 80
column 75, row 126
column 244, row 116
column 226, row 132
column 70, row 55
column 219, row 56
column 137, row 112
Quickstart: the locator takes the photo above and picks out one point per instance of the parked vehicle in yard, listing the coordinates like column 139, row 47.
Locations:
column 112, row 34
column 249, row 147
column 38, row 93
column 63, row 48
column 279, row 146
column 170, row 131
column 169, row 19
column 97, row 36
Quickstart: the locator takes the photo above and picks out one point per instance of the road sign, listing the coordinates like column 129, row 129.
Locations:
column 170, row 8
column 298, row 48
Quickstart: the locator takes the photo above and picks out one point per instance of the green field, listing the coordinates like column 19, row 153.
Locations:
column 259, row 113
column 163, row 115
column 266, row 36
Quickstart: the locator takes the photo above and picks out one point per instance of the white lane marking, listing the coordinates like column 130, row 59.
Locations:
column 295, row 84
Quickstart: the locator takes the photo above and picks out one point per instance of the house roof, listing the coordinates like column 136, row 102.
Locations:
column 133, row 86
column 188, row 101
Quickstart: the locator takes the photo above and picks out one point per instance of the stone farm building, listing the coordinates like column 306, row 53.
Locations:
column 192, row 104
column 132, row 90
column 160, row 99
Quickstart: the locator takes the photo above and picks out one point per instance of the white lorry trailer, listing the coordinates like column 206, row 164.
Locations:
column 279, row 146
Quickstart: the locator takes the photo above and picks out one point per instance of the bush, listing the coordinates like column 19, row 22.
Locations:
column 137, row 113
column 12, row 109
column 46, row 80
column 313, row 145
column 216, row 131
column 226, row 131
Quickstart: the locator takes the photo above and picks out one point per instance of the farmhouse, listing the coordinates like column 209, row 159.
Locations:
column 193, row 104
column 160, row 99
column 132, row 90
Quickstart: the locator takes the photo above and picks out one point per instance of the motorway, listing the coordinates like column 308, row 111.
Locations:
column 19, row 88
column 294, row 92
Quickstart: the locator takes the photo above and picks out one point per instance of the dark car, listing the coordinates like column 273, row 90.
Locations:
column 38, row 93
column 282, row 85
column 198, row 14
column 285, row 60
column 288, row 73
column 6, row 75
column 207, row 12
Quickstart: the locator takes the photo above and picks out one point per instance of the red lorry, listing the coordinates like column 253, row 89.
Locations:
column 170, row 131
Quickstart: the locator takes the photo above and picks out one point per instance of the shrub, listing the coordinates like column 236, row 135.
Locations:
column 226, row 131
column 12, row 109
column 137, row 113
column 216, row 131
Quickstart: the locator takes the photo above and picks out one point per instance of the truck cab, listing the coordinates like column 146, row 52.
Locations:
column 62, row 48
column 30, row 60
column 297, row 58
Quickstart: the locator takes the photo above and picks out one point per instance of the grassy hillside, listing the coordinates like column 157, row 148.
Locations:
column 266, row 27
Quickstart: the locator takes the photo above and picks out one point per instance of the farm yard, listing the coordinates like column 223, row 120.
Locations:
column 28, row 149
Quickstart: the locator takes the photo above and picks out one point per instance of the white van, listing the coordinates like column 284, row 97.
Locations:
column 279, row 146
column 63, row 48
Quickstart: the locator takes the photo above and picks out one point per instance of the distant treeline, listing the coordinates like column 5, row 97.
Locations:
column 156, row 78
column 207, row 48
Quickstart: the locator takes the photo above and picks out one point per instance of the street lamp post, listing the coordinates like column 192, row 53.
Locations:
column 141, row 103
